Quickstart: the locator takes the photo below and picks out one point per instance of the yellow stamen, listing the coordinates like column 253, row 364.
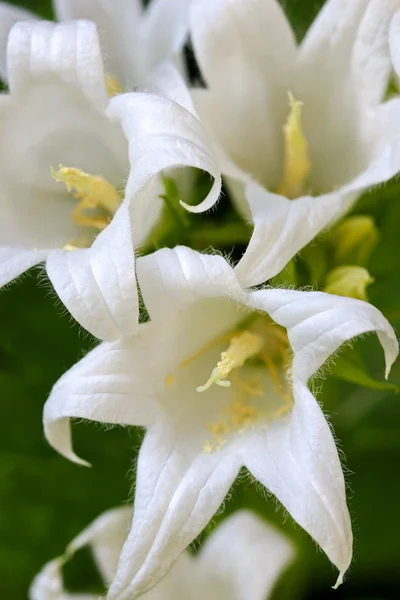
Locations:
column 242, row 346
column 93, row 193
column 297, row 164
column 223, row 338
column 113, row 85
column 169, row 380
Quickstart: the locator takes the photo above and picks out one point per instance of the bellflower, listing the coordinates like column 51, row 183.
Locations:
column 133, row 40
column 64, row 164
column 206, row 376
column 240, row 560
column 306, row 124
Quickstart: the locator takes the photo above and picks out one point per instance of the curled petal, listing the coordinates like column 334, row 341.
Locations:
column 98, row 284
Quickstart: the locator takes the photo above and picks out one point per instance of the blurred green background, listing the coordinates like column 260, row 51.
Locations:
column 45, row 500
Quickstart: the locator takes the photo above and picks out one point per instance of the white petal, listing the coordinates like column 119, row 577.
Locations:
column 230, row 35
column 166, row 80
column 394, row 42
column 298, row 462
column 118, row 24
column 370, row 65
column 247, row 554
column 172, row 280
column 318, row 324
column 15, row 261
column 245, row 50
column 208, row 107
column 176, row 495
column 162, row 134
column 106, row 536
column 69, row 52
column 102, row 387
column 165, row 27
column 282, row 227
column 333, row 32
column 98, row 284
column 9, row 15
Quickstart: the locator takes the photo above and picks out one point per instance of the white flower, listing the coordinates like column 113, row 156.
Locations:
column 133, row 40
column 173, row 378
column 56, row 114
column 241, row 560
column 309, row 158
column 105, row 536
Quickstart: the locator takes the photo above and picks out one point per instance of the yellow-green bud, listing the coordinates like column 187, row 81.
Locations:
column 349, row 281
column 354, row 240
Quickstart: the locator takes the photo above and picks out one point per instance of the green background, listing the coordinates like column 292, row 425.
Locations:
column 45, row 500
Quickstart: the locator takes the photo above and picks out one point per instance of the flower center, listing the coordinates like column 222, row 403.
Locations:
column 255, row 351
column 97, row 198
column 297, row 165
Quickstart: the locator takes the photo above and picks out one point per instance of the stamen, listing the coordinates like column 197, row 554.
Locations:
column 93, row 193
column 242, row 347
column 297, row 164
column 113, row 85
column 169, row 380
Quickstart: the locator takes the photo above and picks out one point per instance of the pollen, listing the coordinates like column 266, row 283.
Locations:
column 113, row 85
column 98, row 199
column 242, row 346
column 297, row 164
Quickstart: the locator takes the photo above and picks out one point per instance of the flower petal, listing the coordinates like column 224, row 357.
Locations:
column 394, row 42
column 371, row 66
column 298, row 462
column 282, row 227
column 171, row 280
column 333, row 32
column 68, row 52
column 162, row 134
column 246, row 553
column 165, row 27
column 9, row 15
column 101, row 387
column 177, row 493
column 245, row 50
column 106, row 536
column 118, row 24
column 15, row 261
column 318, row 324
column 98, row 284
column 235, row 39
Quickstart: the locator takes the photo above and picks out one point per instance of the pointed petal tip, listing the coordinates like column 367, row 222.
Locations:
column 77, row 460
column 339, row 581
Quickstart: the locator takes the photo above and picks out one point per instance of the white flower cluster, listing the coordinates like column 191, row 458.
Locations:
column 97, row 113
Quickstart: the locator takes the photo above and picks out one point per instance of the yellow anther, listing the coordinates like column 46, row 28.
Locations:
column 113, row 85
column 70, row 247
column 297, row 164
column 169, row 380
column 348, row 281
column 242, row 346
column 243, row 414
column 94, row 194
